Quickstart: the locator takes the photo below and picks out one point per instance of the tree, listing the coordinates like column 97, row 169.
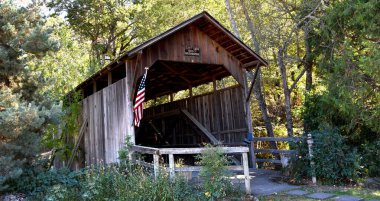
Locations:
column 347, row 53
column 25, row 111
column 107, row 24
column 257, row 85
column 68, row 66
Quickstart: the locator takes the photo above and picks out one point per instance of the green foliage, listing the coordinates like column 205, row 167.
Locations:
column 214, row 172
column 349, row 63
column 348, row 57
column 112, row 183
column 371, row 158
column 25, row 112
column 124, row 154
column 67, row 67
column 335, row 161
column 22, row 38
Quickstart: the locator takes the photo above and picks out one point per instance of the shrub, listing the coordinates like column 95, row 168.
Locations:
column 371, row 158
column 214, row 172
column 111, row 183
column 335, row 162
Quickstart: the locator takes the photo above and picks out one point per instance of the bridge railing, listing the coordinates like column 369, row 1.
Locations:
column 171, row 152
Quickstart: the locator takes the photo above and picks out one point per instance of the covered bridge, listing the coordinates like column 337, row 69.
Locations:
column 197, row 51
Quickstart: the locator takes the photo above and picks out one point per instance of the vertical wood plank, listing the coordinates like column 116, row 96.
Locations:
column 171, row 166
column 156, row 165
column 130, row 130
column 247, row 179
column 109, row 78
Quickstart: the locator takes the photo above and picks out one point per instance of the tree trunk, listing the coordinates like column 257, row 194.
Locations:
column 263, row 108
column 288, row 110
column 308, row 60
column 251, row 28
column 257, row 86
column 308, row 68
column 231, row 14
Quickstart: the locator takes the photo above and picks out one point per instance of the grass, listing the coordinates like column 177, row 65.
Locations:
column 365, row 193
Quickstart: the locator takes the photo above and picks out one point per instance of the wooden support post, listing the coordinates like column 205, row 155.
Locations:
column 93, row 86
column 171, row 167
column 214, row 84
column 194, row 121
column 156, row 164
column 171, row 96
column 109, row 78
column 191, row 91
column 248, row 117
column 312, row 163
column 252, row 84
column 247, row 179
column 129, row 84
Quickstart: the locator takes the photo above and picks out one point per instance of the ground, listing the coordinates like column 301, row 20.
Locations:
column 267, row 185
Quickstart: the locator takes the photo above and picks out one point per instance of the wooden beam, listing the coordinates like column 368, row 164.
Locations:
column 214, row 84
column 129, row 93
column 93, row 86
column 200, row 127
column 162, row 115
column 158, row 132
column 275, row 151
column 198, row 168
column 156, row 165
column 175, row 72
column 259, row 160
column 252, row 84
column 171, row 166
column 248, row 118
column 252, row 63
column 247, row 178
column 109, row 78
column 144, row 150
column 81, row 133
column 278, row 139
column 226, row 150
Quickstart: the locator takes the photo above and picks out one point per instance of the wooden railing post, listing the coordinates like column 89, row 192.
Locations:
column 156, row 164
column 247, row 179
column 312, row 163
column 171, row 167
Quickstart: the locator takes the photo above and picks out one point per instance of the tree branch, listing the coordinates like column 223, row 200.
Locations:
column 308, row 16
column 296, row 80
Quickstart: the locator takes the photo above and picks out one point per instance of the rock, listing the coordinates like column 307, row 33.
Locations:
column 297, row 192
column 372, row 183
column 347, row 198
column 320, row 196
column 14, row 197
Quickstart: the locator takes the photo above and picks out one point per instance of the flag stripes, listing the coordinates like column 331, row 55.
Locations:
column 139, row 101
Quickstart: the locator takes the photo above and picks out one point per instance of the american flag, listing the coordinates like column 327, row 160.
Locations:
column 140, row 97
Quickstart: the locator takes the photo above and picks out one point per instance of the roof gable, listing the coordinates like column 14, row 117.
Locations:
column 205, row 23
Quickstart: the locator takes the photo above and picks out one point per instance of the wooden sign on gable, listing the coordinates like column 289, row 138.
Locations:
column 192, row 51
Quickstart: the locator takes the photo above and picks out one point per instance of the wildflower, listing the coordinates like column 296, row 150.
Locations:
column 207, row 194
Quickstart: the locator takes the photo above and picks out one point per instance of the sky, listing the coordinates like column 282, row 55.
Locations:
column 23, row 3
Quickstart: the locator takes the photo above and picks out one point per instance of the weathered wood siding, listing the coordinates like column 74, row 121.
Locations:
column 221, row 113
column 173, row 47
column 105, row 135
column 110, row 110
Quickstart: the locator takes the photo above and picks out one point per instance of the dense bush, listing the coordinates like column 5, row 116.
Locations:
column 115, row 182
column 216, row 184
column 335, row 162
column 371, row 158
column 110, row 183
